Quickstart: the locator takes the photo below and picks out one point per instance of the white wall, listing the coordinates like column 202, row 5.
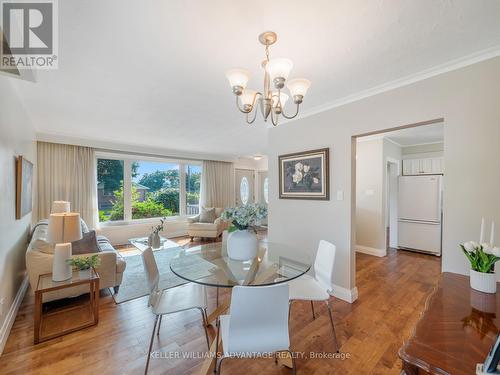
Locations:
column 369, row 195
column 371, row 188
column 17, row 137
column 467, row 99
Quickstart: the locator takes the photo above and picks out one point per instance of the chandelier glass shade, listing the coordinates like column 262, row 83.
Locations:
column 272, row 99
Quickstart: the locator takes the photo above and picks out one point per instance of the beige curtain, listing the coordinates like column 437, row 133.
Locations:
column 217, row 184
column 67, row 173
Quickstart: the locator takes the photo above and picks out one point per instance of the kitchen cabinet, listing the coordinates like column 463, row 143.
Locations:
column 412, row 167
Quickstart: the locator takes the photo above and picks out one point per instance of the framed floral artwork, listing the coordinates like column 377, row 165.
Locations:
column 24, row 187
column 304, row 175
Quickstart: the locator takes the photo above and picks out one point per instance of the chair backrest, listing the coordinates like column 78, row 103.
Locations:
column 259, row 319
column 152, row 274
column 324, row 263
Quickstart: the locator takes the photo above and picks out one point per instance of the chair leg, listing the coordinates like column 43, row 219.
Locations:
column 151, row 344
column 289, row 309
column 333, row 326
column 294, row 367
column 202, row 311
column 312, row 308
column 216, row 367
column 219, row 365
column 159, row 325
column 217, row 297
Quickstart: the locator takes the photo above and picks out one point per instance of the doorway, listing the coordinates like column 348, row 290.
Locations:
column 394, row 172
column 391, row 208
column 244, row 186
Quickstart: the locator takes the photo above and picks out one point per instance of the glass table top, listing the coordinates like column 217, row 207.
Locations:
column 210, row 265
column 45, row 282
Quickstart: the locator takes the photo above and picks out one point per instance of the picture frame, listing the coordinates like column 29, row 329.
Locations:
column 24, row 187
column 305, row 175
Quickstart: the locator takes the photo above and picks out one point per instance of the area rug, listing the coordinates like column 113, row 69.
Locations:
column 134, row 284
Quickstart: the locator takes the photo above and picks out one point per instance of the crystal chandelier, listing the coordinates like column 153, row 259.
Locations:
column 271, row 103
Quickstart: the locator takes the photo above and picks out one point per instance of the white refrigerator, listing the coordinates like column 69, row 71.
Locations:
column 420, row 213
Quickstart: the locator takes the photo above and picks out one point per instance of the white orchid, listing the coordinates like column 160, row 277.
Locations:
column 306, row 168
column 486, row 247
column 469, row 246
column 482, row 257
column 299, row 167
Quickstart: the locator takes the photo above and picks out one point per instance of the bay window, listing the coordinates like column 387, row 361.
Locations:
column 131, row 189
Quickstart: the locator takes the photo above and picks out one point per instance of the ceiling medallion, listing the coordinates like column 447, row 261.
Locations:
column 271, row 103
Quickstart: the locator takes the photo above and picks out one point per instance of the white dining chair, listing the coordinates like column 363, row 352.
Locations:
column 319, row 286
column 163, row 302
column 257, row 324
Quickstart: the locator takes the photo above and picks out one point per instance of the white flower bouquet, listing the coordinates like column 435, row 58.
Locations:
column 244, row 216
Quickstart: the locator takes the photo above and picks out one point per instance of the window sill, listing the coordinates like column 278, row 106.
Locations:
column 172, row 219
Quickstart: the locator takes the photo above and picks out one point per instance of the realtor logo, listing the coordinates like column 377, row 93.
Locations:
column 29, row 34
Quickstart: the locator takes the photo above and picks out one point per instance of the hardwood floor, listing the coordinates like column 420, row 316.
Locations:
column 392, row 293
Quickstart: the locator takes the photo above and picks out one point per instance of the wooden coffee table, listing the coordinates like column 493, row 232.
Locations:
column 61, row 321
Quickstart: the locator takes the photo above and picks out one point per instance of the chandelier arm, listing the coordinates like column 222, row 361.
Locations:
column 293, row 116
column 275, row 123
column 239, row 107
column 254, row 117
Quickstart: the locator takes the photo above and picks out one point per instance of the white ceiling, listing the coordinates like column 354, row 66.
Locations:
column 418, row 135
column 152, row 72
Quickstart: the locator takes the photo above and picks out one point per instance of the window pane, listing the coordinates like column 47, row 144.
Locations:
column 193, row 180
column 266, row 190
column 155, row 189
column 244, row 190
column 110, row 189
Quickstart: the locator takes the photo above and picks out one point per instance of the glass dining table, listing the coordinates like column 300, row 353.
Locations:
column 210, row 265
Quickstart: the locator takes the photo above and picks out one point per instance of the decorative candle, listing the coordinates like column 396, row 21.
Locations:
column 481, row 235
column 492, row 234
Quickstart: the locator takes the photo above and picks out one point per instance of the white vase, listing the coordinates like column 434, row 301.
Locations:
column 242, row 245
column 155, row 241
column 483, row 282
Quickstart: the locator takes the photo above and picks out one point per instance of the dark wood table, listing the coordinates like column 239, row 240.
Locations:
column 456, row 331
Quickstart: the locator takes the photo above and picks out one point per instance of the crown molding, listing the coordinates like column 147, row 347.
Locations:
column 449, row 66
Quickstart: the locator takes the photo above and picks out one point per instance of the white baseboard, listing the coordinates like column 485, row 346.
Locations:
column 371, row 251
column 11, row 315
column 348, row 295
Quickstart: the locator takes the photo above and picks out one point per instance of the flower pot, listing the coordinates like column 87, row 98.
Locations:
column 483, row 282
column 242, row 245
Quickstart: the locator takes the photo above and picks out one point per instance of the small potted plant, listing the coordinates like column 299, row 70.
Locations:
column 84, row 263
column 154, row 239
column 242, row 241
column 482, row 258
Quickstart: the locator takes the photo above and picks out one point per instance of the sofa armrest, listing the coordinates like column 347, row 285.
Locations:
column 193, row 219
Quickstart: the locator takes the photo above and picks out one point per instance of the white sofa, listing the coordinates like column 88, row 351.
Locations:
column 206, row 230
column 39, row 261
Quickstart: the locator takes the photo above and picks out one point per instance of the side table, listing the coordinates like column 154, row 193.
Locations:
column 53, row 321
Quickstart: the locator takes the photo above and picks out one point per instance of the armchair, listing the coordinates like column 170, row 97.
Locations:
column 206, row 230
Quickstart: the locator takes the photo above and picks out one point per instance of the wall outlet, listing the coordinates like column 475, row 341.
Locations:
column 340, row 195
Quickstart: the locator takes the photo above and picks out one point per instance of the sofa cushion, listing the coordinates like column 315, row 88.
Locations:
column 39, row 239
column 87, row 245
column 203, row 227
column 207, row 215
column 84, row 226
